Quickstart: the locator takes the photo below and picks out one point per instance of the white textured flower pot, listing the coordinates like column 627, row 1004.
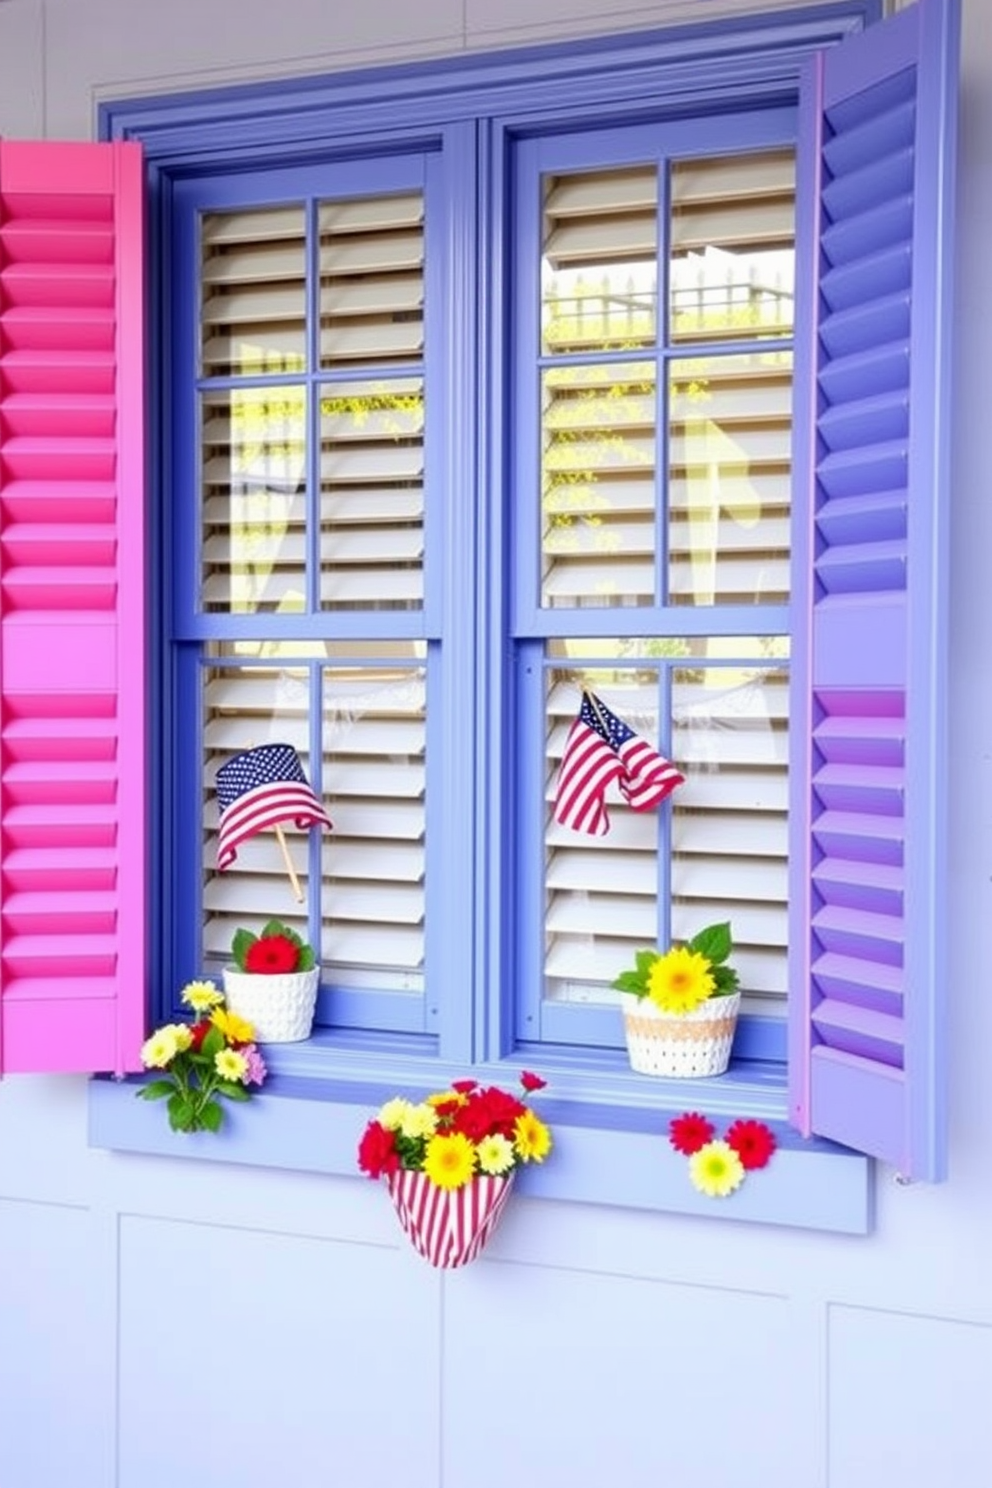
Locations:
column 279, row 1006
column 680, row 1045
column 448, row 1227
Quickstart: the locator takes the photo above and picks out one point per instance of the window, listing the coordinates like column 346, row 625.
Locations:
column 469, row 401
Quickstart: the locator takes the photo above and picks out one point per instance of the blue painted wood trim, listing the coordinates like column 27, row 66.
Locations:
column 617, row 1157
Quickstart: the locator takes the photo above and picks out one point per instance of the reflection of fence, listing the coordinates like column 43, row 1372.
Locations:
column 701, row 296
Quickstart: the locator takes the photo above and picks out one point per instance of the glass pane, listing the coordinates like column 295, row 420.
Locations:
column 253, row 292
column 732, row 259
column 729, row 452
column 598, row 484
column 730, row 819
column 243, row 708
column 373, row 862
column 599, row 281
column 372, row 280
column 372, row 495
column 253, row 448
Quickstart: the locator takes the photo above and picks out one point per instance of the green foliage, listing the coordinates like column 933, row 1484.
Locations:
column 714, row 943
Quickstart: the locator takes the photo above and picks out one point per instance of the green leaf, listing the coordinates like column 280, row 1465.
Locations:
column 212, row 1044
column 714, row 943
column 276, row 927
column 155, row 1090
column 232, row 1091
column 644, row 960
column 181, row 1113
column 307, row 960
column 211, row 1116
column 239, row 946
column 630, row 981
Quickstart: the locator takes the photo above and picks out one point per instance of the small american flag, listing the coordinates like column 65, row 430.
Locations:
column 260, row 788
column 601, row 748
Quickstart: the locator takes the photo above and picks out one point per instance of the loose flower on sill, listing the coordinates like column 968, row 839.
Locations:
column 718, row 1166
column 680, row 1006
column 449, row 1162
column 212, row 1059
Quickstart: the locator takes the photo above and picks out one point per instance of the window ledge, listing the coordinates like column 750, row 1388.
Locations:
column 604, row 1154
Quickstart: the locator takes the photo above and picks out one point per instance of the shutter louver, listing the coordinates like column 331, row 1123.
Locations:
column 72, row 789
column 868, row 852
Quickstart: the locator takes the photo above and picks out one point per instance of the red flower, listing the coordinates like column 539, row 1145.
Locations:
column 532, row 1082
column 753, row 1142
column 487, row 1112
column 464, row 1086
column 198, row 1033
column 690, row 1132
column 271, row 954
column 377, row 1151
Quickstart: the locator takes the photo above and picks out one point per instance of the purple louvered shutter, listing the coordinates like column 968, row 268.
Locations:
column 867, row 964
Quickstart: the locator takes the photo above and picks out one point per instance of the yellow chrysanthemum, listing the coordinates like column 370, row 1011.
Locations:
column 236, row 1030
column 201, row 996
column 161, row 1048
column 495, row 1154
column 446, row 1097
column 183, row 1036
column 680, row 980
column 230, row 1064
column 392, row 1114
column 716, row 1170
column 531, row 1137
column 449, row 1161
column 419, row 1121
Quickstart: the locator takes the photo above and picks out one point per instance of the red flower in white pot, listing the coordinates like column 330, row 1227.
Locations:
column 273, row 982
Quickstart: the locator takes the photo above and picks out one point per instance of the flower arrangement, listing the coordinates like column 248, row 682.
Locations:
column 276, row 950
column 718, row 1165
column 680, row 979
column 456, row 1134
column 449, row 1162
column 203, row 1062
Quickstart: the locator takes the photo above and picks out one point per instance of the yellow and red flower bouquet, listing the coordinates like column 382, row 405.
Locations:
column 449, row 1161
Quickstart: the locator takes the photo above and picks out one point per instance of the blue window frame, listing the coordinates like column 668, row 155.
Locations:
column 480, row 135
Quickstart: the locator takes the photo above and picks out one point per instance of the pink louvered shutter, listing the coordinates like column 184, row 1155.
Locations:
column 72, row 649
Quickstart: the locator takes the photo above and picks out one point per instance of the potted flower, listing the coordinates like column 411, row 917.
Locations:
column 273, row 982
column 449, row 1162
column 203, row 1063
column 680, row 1006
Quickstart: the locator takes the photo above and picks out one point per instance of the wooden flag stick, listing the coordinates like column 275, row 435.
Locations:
column 595, row 705
column 284, row 849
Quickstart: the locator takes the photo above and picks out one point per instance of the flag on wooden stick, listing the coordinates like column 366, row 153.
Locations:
column 601, row 748
column 261, row 788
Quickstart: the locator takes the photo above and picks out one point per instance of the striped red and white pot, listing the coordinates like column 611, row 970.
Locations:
column 448, row 1226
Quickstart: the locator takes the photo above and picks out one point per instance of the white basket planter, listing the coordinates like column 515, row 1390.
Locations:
column 680, row 1045
column 280, row 1006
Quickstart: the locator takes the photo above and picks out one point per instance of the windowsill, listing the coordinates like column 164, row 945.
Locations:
column 606, row 1152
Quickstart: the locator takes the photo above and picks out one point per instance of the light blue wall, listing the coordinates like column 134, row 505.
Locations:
column 167, row 1322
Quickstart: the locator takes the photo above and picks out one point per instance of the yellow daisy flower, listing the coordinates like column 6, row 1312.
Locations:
column 680, row 980
column 418, row 1121
column 531, row 1137
column 392, row 1114
column 230, row 1064
column 201, row 996
column 716, row 1170
column 183, row 1036
column 160, row 1049
column 495, row 1154
column 449, row 1161
column 236, row 1030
